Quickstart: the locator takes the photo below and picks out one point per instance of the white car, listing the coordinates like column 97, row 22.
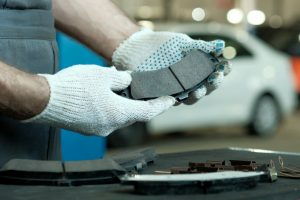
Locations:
column 257, row 94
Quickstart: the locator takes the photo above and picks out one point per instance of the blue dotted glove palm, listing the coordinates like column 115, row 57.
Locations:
column 147, row 50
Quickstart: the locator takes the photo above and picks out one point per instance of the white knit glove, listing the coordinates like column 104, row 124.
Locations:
column 82, row 100
column 147, row 50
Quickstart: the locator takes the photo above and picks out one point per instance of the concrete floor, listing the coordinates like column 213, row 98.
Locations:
column 286, row 139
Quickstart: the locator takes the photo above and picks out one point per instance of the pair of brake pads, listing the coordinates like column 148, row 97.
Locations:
column 75, row 173
column 177, row 80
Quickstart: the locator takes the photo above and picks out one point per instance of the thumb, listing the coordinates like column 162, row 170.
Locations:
column 119, row 80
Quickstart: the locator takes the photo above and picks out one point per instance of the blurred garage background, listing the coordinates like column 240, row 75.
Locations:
column 256, row 107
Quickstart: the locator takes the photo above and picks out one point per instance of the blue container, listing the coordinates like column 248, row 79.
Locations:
column 74, row 145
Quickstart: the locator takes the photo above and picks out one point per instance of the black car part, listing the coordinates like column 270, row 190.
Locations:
column 178, row 80
column 74, row 173
column 56, row 173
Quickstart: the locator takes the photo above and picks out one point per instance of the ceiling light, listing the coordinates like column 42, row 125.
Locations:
column 256, row 17
column 198, row 14
column 235, row 16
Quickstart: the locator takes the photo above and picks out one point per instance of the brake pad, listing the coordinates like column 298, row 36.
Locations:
column 57, row 173
column 177, row 80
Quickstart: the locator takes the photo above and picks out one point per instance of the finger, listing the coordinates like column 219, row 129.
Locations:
column 207, row 47
column 219, row 46
column 214, row 81
column 119, row 80
column 196, row 95
column 224, row 66
column 146, row 110
column 215, row 46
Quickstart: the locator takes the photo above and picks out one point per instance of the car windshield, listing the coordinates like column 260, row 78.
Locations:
column 285, row 40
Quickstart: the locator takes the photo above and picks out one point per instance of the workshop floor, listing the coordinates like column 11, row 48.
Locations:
column 286, row 139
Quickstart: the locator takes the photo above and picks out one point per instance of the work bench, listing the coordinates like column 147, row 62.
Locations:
column 283, row 188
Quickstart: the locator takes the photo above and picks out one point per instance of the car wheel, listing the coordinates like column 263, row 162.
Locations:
column 133, row 135
column 266, row 117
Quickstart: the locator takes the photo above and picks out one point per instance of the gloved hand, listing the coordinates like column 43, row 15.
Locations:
column 82, row 100
column 147, row 50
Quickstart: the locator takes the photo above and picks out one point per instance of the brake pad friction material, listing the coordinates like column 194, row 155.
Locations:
column 196, row 66
column 177, row 80
column 152, row 84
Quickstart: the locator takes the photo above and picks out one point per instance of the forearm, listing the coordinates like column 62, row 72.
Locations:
column 97, row 23
column 22, row 95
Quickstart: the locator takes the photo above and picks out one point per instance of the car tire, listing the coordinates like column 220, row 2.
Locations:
column 266, row 117
column 133, row 135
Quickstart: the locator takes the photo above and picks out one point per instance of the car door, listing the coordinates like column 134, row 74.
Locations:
column 230, row 103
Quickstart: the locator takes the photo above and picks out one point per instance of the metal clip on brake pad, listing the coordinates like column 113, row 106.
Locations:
column 178, row 80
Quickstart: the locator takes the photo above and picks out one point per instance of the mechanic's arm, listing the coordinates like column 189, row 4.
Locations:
column 22, row 95
column 97, row 23
column 80, row 98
